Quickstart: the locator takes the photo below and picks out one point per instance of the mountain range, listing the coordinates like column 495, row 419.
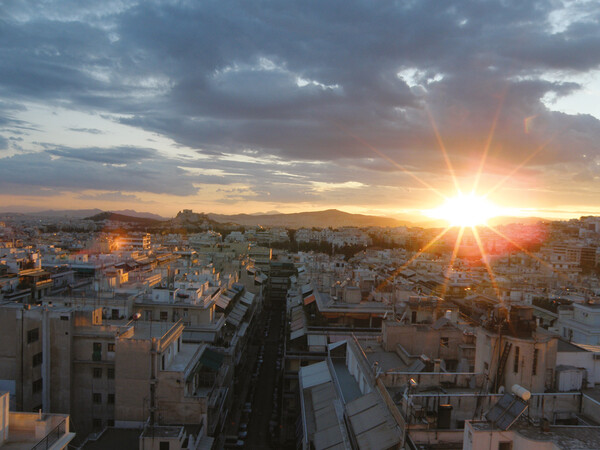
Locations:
column 328, row 218
column 318, row 219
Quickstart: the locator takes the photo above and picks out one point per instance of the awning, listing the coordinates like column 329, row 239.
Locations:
column 247, row 298
column 223, row 301
column 260, row 278
column 308, row 300
column 298, row 333
column 237, row 314
column 306, row 289
column 211, row 359
column 314, row 374
column 297, row 324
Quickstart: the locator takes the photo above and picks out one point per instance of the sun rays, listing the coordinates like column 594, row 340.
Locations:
column 472, row 211
column 466, row 211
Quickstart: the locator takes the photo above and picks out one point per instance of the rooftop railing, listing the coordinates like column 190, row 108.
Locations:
column 53, row 436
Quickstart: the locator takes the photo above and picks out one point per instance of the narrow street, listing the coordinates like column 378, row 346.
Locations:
column 264, row 419
column 254, row 417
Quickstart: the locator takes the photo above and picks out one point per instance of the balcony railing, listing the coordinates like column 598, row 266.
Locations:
column 51, row 437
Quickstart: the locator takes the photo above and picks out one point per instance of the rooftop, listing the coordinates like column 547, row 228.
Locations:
column 564, row 346
column 149, row 330
column 186, row 356
column 121, row 438
column 376, row 354
column 563, row 437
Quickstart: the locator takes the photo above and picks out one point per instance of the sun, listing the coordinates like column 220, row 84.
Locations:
column 466, row 211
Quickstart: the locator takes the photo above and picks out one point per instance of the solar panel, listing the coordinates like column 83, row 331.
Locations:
column 508, row 409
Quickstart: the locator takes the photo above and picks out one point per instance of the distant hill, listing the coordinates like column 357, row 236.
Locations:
column 145, row 215
column 70, row 213
column 506, row 220
column 107, row 215
column 321, row 219
column 82, row 213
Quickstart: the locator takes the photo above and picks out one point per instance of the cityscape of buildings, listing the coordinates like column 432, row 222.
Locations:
column 322, row 225
column 122, row 338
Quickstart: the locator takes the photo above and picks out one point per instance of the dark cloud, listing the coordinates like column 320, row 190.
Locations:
column 113, row 197
column 359, row 85
column 87, row 130
column 118, row 155
column 99, row 172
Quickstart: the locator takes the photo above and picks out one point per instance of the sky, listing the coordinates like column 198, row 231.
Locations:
column 226, row 106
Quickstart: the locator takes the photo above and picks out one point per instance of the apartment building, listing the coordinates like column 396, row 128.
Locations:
column 107, row 373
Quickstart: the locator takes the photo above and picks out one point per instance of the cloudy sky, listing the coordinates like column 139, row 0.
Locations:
column 247, row 106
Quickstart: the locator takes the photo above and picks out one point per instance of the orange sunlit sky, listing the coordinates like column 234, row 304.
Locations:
column 414, row 110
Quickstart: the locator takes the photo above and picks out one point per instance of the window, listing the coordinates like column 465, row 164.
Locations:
column 110, row 373
column 97, row 423
column 505, row 446
column 163, row 445
column 110, row 423
column 114, row 314
column 37, row 385
column 164, row 316
column 96, row 397
column 111, row 347
column 64, row 317
column 535, row 361
column 97, row 353
column 516, row 362
column 97, row 372
column 110, row 399
column 444, row 342
column 33, row 335
column 37, row 359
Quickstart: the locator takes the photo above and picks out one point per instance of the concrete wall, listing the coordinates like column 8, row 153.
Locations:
column 16, row 355
column 4, row 401
column 422, row 339
column 173, row 405
column 490, row 347
column 59, row 362
column 132, row 380
column 474, row 440
column 84, row 385
column 581, row 359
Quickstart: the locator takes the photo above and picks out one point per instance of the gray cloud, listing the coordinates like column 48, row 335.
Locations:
column 87, row 130
column 117, row 155
column 113, row 197
column 75, row 173
column 316, row 82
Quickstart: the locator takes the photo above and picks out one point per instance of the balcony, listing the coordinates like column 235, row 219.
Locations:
column 37, row 431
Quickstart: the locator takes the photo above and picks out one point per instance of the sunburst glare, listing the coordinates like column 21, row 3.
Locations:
column 466, row 210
